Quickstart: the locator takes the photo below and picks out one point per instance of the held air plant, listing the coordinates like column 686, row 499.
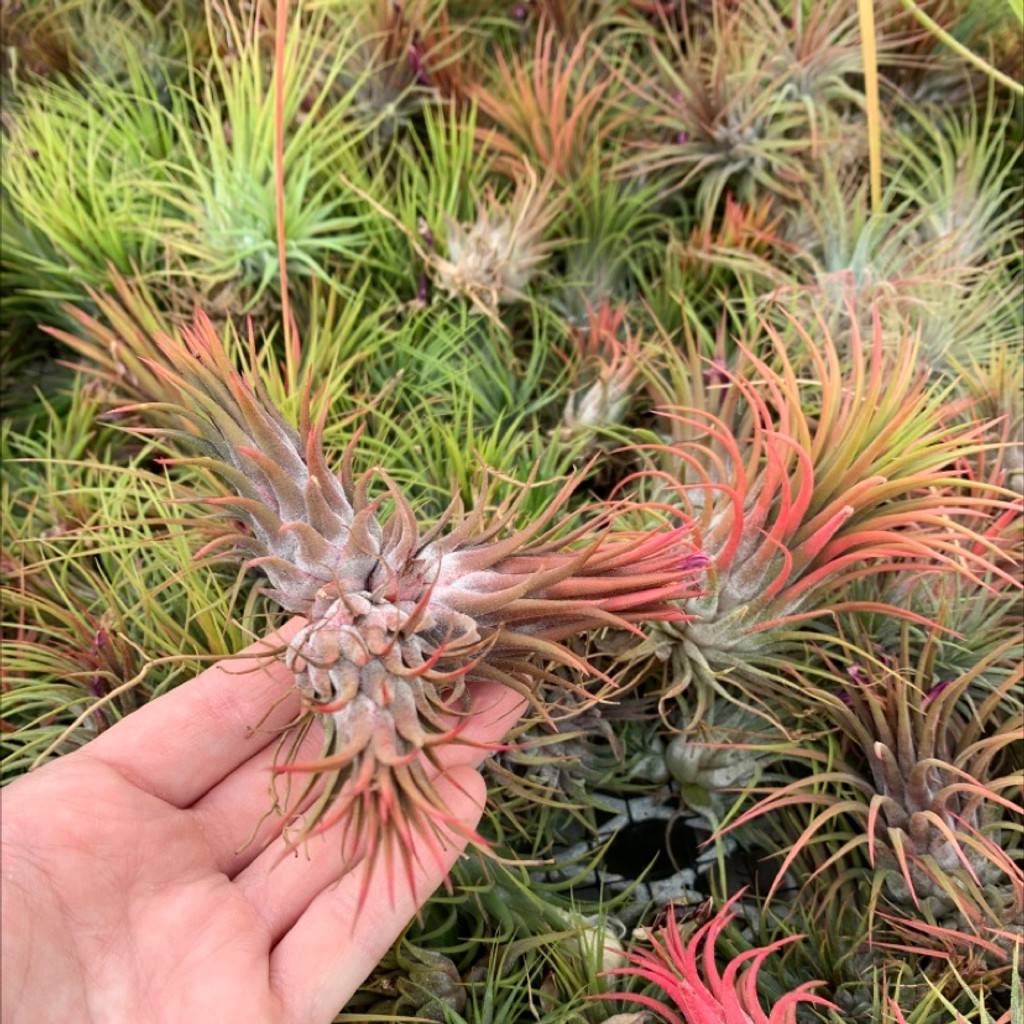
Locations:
column 399, row 620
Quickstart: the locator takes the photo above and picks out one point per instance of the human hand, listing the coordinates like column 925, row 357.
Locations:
column 129, row 895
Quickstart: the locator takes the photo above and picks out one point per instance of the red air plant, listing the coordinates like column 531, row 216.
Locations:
column 689, row 975
column 399, row 619
column 548, row 108
column 804, row 475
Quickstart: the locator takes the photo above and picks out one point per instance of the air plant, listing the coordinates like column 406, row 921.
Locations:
column 534, row 975
column 947, row 229
column 398, row 620
column 960, row 173
column 118, row 353
column 491, row 260
column 720, row 760
column 685, row 970
column 979, row 618
column 118, row 348
column 415, row 980
column 951, row 993
column 222, row 199
column 844, row 252
column 605, row 368
column 558, row 780
column 75, row 156
column 533, row 916
column 717, row 107
column 925, row 787
column 743, row 242
column 997, row 387
column 406, row 58
column 960, row 170
column 95, row 37
column 505, row 933
column 181, row 190
column 611, row 244
column 801, row 478
column 870, row 980
column 549, row 108
column 99, row 614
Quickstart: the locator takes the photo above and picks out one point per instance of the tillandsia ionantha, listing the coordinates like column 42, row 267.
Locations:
column 550, row 107
column 492, row 260
column 925, row 780
column 399, row 621
column 685, row 970
column 606, row 369
column 804, row 473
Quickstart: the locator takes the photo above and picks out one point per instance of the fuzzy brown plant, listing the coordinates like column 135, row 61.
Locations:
column 399, row 620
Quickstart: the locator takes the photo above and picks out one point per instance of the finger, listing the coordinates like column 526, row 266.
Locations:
column 236, row 819
column 494, row 711
column 181, row 744
column 241, row 816
column 330, row 950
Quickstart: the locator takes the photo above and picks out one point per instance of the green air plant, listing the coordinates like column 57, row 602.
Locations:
column 741, row 101
column 76, row 38
column 718, row 762
column 997, row 387
column 802, row 475
column 429, row 183
column 398, row 621
column 559, row 778
column 83, row 163
column 174, row 180
column 416, row 980
column 222, row 197
column 942, row 252
column 609, row 244
column 103, row 607
column 960, row 170
column 527, row 918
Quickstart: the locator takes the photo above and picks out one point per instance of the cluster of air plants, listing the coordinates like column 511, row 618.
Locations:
column 662, row 362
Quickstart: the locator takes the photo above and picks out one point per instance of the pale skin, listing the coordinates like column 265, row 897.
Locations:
column 128, row 893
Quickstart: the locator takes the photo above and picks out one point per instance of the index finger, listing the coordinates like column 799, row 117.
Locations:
column 182, row 744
